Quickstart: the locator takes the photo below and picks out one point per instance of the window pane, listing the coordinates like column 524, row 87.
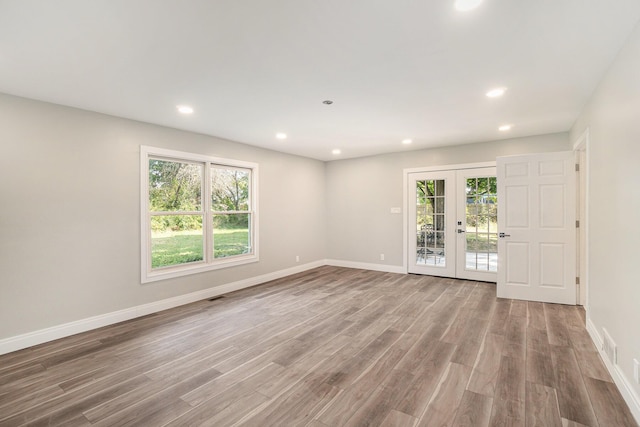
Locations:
column 174, row 186
column 229, row 189
column 231, row 235
column 176, row 239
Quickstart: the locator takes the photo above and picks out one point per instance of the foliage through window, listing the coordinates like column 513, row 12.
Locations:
column 230, row 210
column 199, row 213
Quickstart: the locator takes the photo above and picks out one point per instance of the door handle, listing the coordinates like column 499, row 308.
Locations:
column 460, row 231
column 502, row 235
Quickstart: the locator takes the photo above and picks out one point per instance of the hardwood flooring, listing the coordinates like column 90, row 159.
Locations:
column 328, row 347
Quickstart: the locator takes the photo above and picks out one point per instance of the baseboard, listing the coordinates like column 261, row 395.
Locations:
column 622, row 382
column 30, row 339
column 366, row 266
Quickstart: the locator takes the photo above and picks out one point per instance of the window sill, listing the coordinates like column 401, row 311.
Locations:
column 186, row 270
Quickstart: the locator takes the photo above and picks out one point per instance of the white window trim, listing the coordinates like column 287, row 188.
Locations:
column 147, row 274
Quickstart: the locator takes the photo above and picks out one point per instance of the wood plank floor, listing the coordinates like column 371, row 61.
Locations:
column 328, row 347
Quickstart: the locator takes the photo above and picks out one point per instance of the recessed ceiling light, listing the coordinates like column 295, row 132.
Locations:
column 336, row 151
column 327, row 102
column 184, row 109
column 281, row 135
column 497, row 92
column 466, row 5
column 505, row 128
column 407, row 141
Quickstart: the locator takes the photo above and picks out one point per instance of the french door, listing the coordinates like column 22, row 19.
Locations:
column 477, row 226
column 453, row 223
column 432, row 219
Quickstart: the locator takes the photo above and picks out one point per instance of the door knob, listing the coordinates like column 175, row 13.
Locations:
column 502, row 235
column 460, row 231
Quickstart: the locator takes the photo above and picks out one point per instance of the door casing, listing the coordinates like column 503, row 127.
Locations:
column 581, row 149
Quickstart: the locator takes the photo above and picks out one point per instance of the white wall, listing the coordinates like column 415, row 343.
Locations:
column 70, row 221
column 360, row 193
column 613, row 119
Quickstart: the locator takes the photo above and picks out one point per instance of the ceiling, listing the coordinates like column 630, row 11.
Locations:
column 252, row 68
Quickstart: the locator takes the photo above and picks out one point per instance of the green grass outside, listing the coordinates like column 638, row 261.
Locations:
column 482, row 243
column 487, row 238
column 180, row 247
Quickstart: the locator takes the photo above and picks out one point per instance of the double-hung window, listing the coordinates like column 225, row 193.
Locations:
column 198, row 213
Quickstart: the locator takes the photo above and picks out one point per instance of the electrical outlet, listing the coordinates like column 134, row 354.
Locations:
column 297, row 258
column 636, row 370
column 381, row 257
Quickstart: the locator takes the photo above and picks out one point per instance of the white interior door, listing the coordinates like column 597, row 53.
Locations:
column 477, row 224
column 536, row 247
column 432, row 219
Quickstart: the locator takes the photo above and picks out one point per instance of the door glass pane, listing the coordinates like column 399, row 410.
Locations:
column 431, row 203
column 429, row 207
column 483, row 184
column 421, row 194
column 481, row 241
column 493, row 217
column 471, row 253
column 430, row 221
column 471, row 186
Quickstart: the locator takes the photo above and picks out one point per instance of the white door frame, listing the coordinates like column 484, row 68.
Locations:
column 581, row 149
column 405, row 198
